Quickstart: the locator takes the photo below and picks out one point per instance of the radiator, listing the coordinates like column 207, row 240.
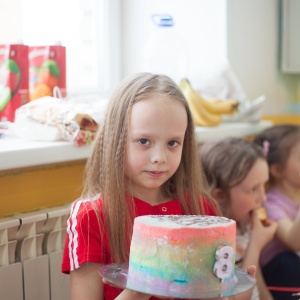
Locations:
column 31, row 247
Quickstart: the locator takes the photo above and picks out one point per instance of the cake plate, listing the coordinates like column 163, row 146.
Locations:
column 116, row 274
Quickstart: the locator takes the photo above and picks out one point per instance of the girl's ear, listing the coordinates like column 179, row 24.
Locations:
column 218, row 195
column 222, row 198
column 275, row 171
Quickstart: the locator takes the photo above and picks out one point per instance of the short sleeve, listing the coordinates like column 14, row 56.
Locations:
column 278, row 206
column 274, row 211
column 85, row 239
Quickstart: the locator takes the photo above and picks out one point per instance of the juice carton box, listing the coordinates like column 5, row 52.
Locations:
column 47, row 69
column 13, row 79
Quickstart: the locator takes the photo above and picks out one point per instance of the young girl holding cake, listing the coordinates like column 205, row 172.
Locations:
column 144, row 161
column 237, row 171
column 280, row 260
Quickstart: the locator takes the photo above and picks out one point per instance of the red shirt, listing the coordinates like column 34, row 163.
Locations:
column 83, row 243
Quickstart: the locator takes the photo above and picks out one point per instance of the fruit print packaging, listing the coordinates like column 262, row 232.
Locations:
column 13, row 79
column 47, row 69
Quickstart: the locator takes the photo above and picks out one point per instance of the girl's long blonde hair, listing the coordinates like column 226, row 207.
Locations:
column 105, row 168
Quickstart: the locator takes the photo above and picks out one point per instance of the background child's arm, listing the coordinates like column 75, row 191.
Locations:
column 264, row 293
column 260, row 236
column 288, row 232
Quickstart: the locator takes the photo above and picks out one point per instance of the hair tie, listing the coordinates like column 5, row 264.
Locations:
column 266, row 147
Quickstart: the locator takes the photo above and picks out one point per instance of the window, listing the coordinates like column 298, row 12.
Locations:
column 84, row 27
column 99, row 33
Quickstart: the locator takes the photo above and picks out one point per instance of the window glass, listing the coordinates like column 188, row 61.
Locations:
column 76, row 25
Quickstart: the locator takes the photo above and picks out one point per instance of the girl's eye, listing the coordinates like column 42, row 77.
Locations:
column 143, row 141
column 254, row 190
column 173, row 143
column 250, row 190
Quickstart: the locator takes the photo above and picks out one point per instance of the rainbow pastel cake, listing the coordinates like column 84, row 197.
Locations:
column 173, row 252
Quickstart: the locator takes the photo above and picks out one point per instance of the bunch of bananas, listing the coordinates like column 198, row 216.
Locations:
column 207, row 112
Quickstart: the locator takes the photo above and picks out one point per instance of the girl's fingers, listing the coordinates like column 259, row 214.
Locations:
column 252, row 270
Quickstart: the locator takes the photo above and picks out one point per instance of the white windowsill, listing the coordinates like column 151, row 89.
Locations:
column 20, row 153
column 238, row 129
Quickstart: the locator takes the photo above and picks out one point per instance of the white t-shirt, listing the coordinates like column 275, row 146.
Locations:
column 242, row 241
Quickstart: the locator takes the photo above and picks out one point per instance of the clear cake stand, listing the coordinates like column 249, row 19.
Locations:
column 116, row 274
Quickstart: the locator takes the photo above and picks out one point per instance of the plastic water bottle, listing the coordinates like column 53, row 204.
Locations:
column 165, row 51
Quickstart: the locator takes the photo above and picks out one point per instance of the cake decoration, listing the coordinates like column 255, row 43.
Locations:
column 223, row 266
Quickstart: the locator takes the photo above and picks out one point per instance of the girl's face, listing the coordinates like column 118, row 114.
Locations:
column 155, row 141
column 290, row 174
column 250, row 193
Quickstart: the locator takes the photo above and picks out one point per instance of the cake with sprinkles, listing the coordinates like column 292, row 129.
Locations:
column 190, row 252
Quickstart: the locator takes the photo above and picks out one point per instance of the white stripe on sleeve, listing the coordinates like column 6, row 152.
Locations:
column 73, row 235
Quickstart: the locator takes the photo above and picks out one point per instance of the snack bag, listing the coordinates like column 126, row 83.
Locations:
column 13, row 79
column 47, row 69
column 53, row 119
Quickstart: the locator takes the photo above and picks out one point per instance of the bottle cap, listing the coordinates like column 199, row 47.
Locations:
column 163, row 20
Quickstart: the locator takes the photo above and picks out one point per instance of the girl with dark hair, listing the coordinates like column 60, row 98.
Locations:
column 280, row 259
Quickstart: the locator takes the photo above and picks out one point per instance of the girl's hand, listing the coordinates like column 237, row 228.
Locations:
column 128, row 294
column 262, row 232
column 132, row 295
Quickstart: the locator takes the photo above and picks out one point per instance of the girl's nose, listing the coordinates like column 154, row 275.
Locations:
column 262, row 195
column 159, row 156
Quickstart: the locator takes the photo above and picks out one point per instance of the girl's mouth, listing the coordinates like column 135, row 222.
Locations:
column 155, row 174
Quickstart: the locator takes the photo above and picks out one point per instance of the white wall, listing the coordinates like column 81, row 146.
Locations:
column 10, row 24
column 253, row 51
column 204, row 36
